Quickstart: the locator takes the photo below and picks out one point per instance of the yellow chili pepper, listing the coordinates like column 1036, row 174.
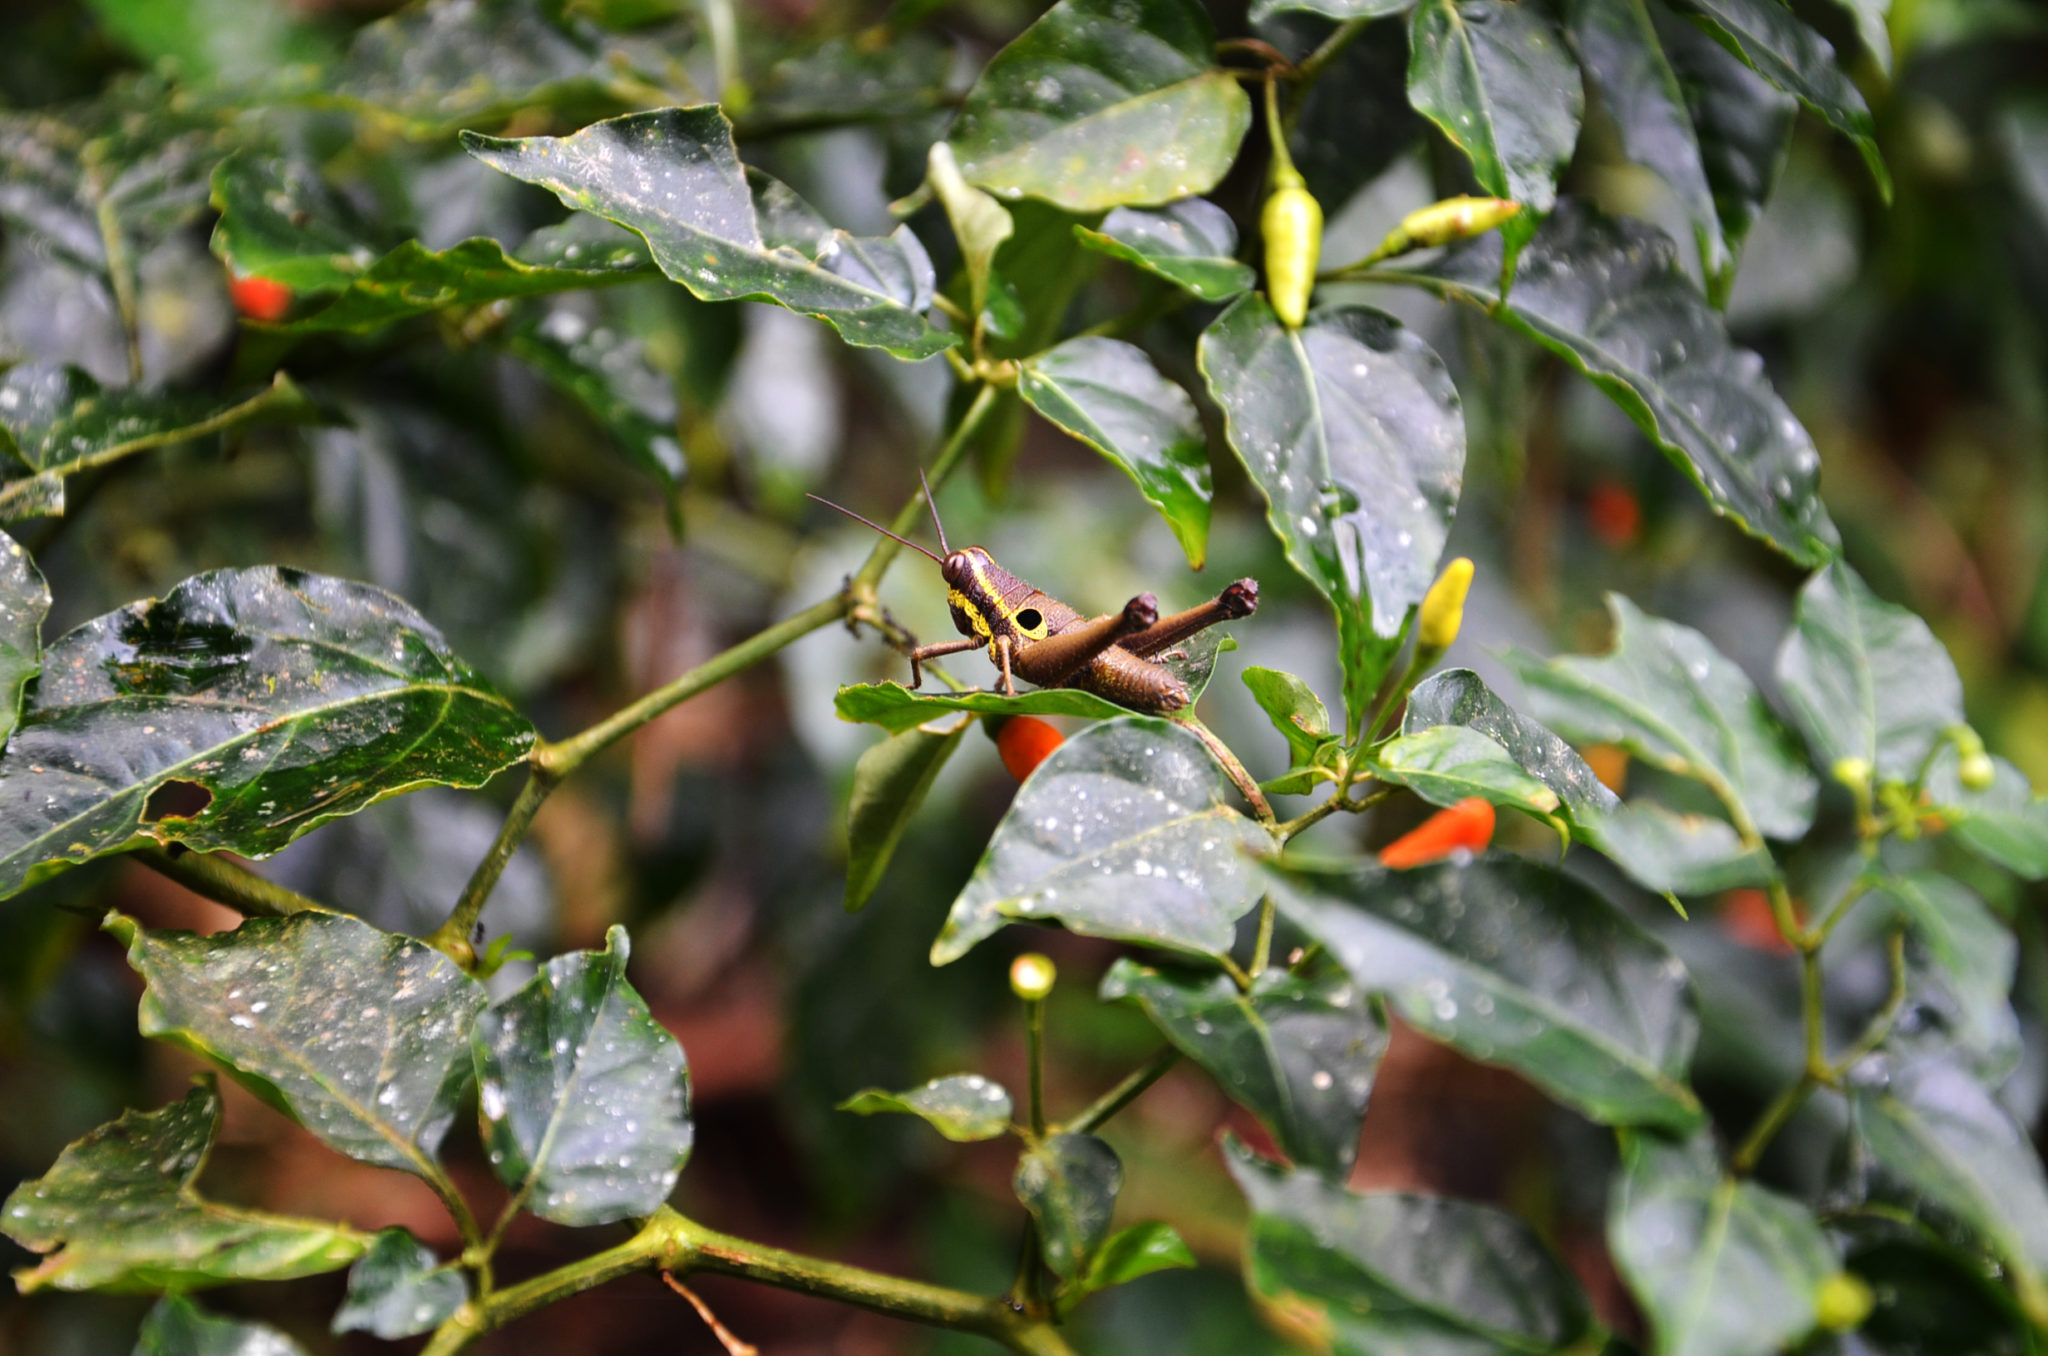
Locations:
column 1292, row 224
column 1441, row 223
column 1443, row 608
column 1843, row 1302
column 1032, row 976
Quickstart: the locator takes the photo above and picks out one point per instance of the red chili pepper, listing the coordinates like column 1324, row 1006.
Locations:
column 1745, row 916
column 261, row 299
column 1025, row 742
column 1465, row 827
column 1614, row 514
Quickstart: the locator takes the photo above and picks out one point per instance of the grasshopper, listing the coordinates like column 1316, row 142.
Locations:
column 1031, row 635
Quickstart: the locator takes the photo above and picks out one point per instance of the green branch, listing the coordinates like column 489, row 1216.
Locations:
column 223, row 882
column 1128, row 1090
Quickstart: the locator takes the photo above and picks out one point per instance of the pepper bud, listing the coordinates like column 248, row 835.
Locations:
column 1032, row 976
column 1842, row 1302
column 1292, row 224
column 1853, row 773
column 1443, row 608
column 1974, row 768
column 1441, row 223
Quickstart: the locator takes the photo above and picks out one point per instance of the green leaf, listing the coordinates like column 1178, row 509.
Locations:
column 979, row 222
column 1299, row 1051
column 1671, row 699
column 1109, row 395
column 119, row 1210
column 1351, row 428
column 1104, row 103
column 56, row 421
column 1069, row 1184
column 1784, row 51
column 584, row 1097
column 1123, row 832
column 1192, row 244
column 1872, row 29
column 399, row 1288
column 24, row 602
column 280, row 220
column 1866, row 678
column 1385, row 1271
column 1125, row 1256
column 1263, row 10
column 831, row 82
column 890, row 782
column 1501, row 84
column 1610, row 299
column 178, row 1327
column 1676, row 853
column 605, row 370
column 1515, row 965
column 1459, row 697
column 962, row 1107
column 728, row 233
column 1972, row 951
column 2005, row 823
column 1449, row 763
column 896, row 708
column 360, row 1035
column 1618, row 46
column 1933, row 1297
column 242, row 709
column 1722, row 1266
column 1296, row 712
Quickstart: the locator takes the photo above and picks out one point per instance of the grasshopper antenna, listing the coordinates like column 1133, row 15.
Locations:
column 877, row 526
column 933, row 505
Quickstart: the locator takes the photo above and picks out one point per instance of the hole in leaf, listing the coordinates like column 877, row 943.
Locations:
column 176, row 800
column 1029, row 618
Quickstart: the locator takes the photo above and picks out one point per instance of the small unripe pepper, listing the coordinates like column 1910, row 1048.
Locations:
column 1291, row 224
column 1843, row 1302
column 1443, row 222
column 1443, row 607
column 1032, row 976
column 1465, row 827
column 1974, row 768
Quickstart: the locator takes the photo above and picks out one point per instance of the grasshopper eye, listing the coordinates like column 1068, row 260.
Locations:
column 1029, row 618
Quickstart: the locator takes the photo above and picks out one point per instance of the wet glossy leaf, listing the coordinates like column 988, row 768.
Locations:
column 360, row 1035
column 1125, row 1256
column 1296, row 712
column 1783, row 50
column 1684, row 854
column 1459, row 697
column 1723, row 1267
column 1501, row 84
column 1618, row 46
column 178, row 1327
column 260, row 703
column 606, row 371
column 1109, row 395
column 1449, row 763
column 962, row 1107
column 896, row 708
column 1299, row 1051
column 118, row 1211
column 1069, row 1184
column 2006, row 822
column 584, row 1097
column 1970, row 949
column 24, row 602
column 56, row 421
column 1609, row 298
column 1351, row 429
column 1866, row 678
column 1125, row 831
column 1104, row 103
column 1670, row 698
column 1192, row 244
column 280, row 220
column 1385, row 1271
column 890, row 782
column 399, row 1288
column 1516, row 965
column 728, row 233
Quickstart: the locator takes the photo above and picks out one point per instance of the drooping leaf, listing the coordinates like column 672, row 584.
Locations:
column 1775, row 44
column 962, row 1107
column 1516, row 965
column 24, row 602
column 242, row 709
column 1351, row 428
column 119, row 1210
column 1670, row 698
column 1500, row 82
column 1618, row 45
column 1460, row 697
column 584, row 1097
column 1109, row 395
column 1125, row 832
column 896, row 708
column 890, row 782
column 1866, row 678
column 728, row 233
column 980, row 224
column 1104, row 103
column 1672, row 851
column 178, row 1327
column 1723, row 1266
column 1125, row 1256
column 1973, row 953
column 1299, row 1051
column 606, row 371
column 2005, row 822
column 1610, row 299
column 399, row 1288
column 1192, row 244
column 1069, row 1184
column 1386, row 1271
column 360, row 1035
column 56, row 421
column 1446, row 764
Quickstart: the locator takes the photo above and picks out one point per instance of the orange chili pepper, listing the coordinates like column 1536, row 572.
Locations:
column 261, row 299
column 1024, row 742
column 1465, row 827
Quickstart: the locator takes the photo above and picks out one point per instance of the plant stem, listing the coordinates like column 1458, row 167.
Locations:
column 1315, row 63
column 221, row 881
column 453, row 936
column 1034, row 1047
column 1770, row 1123
column 1262, row 949
column 1246, row 787
column 1124, row 1093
